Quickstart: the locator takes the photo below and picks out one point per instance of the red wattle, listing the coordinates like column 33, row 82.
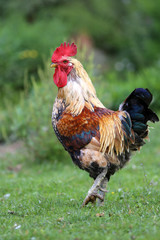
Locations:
column 60, row 77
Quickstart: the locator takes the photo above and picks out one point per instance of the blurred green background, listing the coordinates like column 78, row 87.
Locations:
column 41, row 190
column 118, row 43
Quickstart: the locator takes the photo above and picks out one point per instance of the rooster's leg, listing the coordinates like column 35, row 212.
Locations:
column 102, row 191
column 97, row 186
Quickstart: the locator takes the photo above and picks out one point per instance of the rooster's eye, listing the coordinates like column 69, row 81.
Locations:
column 65, row 61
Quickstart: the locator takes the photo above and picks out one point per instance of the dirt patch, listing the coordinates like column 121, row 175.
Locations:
column 11, row 148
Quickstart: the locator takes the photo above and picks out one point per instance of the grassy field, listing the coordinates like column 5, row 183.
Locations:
column 43, row 200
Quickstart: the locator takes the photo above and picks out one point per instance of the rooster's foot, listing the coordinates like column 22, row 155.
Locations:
column 97, row 191
column 92, row 198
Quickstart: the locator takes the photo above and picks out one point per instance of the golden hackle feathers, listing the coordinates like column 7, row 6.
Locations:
column 79, row 91
column 106, row 133
column 112, row 134
column 83, row 75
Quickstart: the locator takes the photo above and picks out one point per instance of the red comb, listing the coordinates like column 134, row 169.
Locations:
column 64, row 50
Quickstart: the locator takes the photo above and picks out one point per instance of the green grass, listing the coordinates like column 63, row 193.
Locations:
column 45, row 199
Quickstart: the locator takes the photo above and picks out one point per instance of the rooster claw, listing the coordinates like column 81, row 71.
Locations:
column 92, row 198
column 103, row 190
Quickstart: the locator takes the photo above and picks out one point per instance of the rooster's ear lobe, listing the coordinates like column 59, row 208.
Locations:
column 64, row 50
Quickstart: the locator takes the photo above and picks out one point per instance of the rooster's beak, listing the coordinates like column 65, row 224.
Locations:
column 53, row 65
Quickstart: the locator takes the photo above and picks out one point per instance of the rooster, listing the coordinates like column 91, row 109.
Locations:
column 99, row 140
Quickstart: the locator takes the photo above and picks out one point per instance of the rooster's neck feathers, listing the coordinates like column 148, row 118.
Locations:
column 79, row 91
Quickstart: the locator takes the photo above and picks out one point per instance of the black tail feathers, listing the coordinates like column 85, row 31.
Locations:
column 136, row 104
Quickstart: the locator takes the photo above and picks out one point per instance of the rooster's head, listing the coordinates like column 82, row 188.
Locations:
column 61, row 62
column 73, row 82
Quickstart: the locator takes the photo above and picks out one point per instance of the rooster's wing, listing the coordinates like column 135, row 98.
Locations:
column 112, row 130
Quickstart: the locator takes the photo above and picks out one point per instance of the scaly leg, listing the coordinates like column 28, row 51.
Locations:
column 93, row 191
column 102, row 191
